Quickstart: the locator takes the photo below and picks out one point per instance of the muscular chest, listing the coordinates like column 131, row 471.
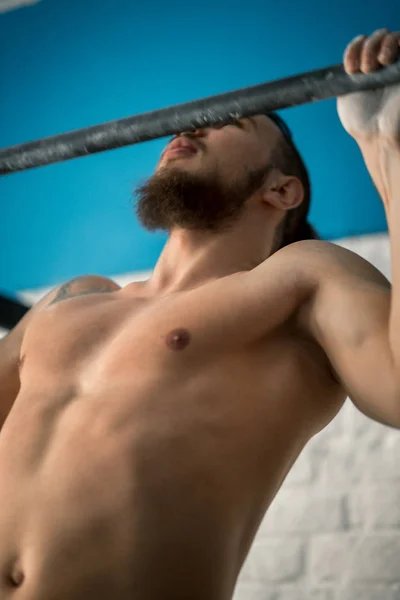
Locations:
column 191, row 358
column 117, row 333
column 97, row 339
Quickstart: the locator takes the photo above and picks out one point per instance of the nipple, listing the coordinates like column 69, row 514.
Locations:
column 16, row 576
column 178, row 339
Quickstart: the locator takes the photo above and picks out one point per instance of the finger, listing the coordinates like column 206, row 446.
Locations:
column 370, row 51
column 390, row 48
column 352, row 54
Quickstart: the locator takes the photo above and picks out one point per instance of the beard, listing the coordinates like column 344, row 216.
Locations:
column 172, row 198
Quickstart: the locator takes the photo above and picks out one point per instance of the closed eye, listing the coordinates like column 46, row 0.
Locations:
column 234, row 123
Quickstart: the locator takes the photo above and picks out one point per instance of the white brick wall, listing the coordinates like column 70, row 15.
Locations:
column 333, row 531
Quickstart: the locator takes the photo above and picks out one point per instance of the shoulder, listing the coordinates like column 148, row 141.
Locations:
column 94, row 280
column 85, row 284
column 347, row 293
column 332, row 287
column 320, row 263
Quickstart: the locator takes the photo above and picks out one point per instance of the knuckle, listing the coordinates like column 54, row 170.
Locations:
column 369, row 59
column 353, row 53
column 371, row 44
column 380, row 32
column 387, row 51
column 370, row 51
column 358, row 41
column 390, row 47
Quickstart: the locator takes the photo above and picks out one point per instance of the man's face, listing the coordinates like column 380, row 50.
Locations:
column 204, row 178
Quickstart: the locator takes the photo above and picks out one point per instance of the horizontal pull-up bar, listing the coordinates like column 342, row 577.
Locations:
column 265, row 98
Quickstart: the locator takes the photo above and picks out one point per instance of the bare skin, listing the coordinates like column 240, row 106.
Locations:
column 153, row 425
column 146, row 426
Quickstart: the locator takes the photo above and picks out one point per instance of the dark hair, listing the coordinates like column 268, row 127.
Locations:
column 295, row 226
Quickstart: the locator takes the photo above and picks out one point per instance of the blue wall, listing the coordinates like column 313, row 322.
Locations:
column 67, row 64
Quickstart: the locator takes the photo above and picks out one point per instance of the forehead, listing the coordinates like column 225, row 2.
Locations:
column 267, row 130
column 264, row 124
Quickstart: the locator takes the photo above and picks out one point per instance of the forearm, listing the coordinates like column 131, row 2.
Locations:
column 382, row 159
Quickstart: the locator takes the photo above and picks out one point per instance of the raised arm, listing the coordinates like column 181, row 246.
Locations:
column 353, row 313
column 348, row 314
column 10, row 345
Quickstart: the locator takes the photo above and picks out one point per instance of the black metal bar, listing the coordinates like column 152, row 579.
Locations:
column 282, row 93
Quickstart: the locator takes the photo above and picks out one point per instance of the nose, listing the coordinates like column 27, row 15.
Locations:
column 196, row 133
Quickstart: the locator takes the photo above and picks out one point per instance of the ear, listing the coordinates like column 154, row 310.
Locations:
column 283, row 192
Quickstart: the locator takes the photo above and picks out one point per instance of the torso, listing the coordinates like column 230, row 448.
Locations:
column 138, row 463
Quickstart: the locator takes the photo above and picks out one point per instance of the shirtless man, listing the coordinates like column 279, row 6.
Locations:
column 149, row 428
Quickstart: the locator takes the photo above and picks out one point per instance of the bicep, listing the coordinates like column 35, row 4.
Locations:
column 348, row 315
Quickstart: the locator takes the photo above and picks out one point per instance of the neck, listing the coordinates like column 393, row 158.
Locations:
column 193, row 258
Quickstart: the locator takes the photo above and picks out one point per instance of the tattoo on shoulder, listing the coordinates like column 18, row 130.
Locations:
column 76, row 287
